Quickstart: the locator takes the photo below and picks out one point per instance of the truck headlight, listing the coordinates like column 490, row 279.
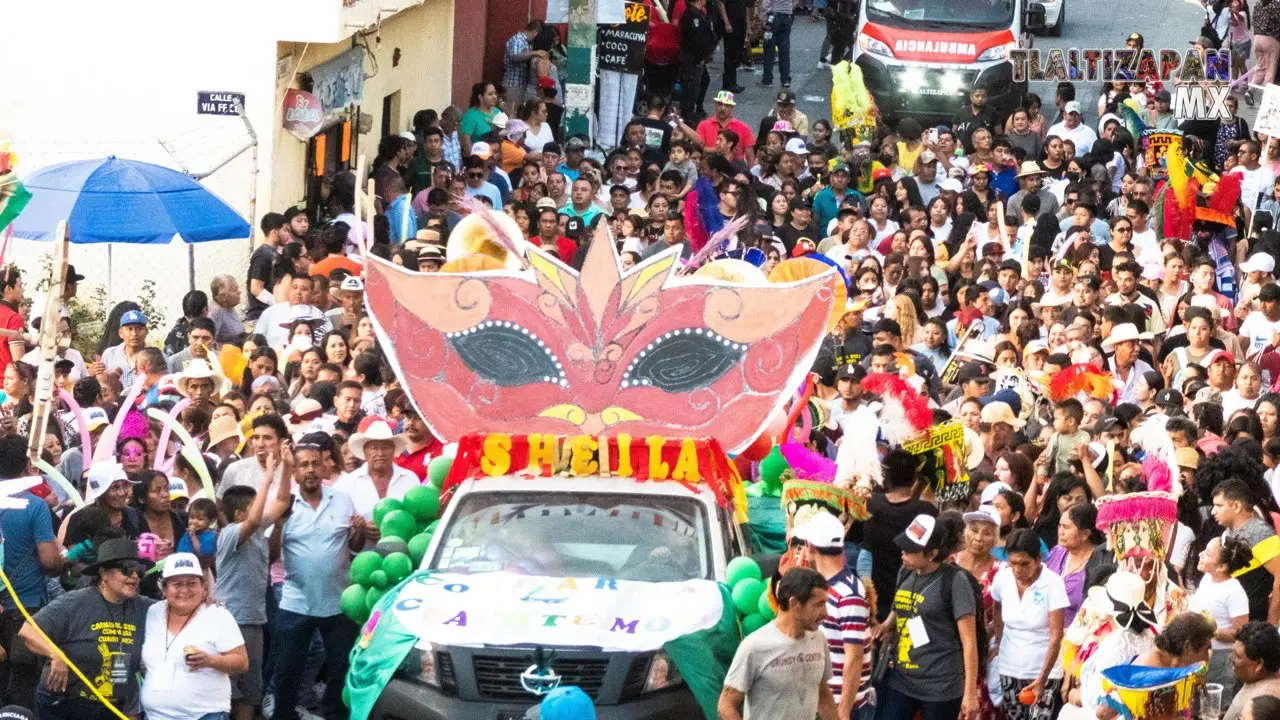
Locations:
column 873, row 46
column 420, row 666
column 999, row 52
column 662, row 673
column 951, row 83
column 913, row 78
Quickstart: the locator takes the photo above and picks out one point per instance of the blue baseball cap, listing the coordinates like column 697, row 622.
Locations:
column 133, row 317
column 1006, row 396
column 567, row 703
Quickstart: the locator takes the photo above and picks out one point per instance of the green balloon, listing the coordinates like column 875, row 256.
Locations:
column 771, row 469
column 741, row 568
column 384, row 508
column 763, row 608
column 391, row 544
column 363, row 565
column 432, row 527
column 423, row 503
column 753, row 622
column 380, row 579
column 746, row 595
column 352, row 604
column 438, row 470
column 418, row 547
column 399, row 523
column 372, row 597
column 397, row 566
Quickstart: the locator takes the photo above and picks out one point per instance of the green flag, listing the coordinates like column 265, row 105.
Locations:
column 383, row 644
column 703, row 657
column 13, row 198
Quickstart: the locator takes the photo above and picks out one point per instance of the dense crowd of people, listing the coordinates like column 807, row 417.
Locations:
column 982, row 260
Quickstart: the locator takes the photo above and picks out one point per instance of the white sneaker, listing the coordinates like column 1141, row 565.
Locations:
column 823, row 65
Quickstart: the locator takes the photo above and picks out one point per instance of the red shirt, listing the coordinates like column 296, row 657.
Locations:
column 9, row 320
column 416, row 462
column 565, row 247
column 710, row 128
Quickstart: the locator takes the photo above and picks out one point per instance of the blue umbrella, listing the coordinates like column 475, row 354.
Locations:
column 124, row 201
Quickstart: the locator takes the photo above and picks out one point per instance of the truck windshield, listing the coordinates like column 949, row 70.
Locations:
column 628, row 537
column 942, row 14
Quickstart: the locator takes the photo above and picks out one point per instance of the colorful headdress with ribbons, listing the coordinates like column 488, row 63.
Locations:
column 1138, row 692
column 809, row 486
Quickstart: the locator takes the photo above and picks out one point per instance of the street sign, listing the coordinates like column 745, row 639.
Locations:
column 621, row 46
column 219, row 103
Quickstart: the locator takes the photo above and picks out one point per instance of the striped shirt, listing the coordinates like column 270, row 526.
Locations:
column 846, row 624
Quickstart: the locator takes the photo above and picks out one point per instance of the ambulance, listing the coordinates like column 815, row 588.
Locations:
column 920, row 58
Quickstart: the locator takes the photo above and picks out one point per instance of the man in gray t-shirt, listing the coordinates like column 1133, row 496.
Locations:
column 782, row 669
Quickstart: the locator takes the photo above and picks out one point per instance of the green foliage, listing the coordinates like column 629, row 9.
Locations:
column 89, row 316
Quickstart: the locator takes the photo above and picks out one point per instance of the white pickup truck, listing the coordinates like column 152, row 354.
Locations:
column 549, row 555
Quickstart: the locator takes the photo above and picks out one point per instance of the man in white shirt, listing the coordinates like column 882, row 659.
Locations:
column 274, row 321
column 264, row 449
column 1260, row 326
column 379, row 477
column 1073, row 128
column 1257, row 178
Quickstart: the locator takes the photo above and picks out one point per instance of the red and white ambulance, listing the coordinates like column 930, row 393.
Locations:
column 920, row 58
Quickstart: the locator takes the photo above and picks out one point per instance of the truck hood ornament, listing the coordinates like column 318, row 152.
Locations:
column 540, row 678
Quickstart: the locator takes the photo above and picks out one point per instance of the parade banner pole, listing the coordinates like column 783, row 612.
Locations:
column 359, row 228
column 48, row 343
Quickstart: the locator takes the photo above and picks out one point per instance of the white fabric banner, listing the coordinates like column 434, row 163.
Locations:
column 502, row 608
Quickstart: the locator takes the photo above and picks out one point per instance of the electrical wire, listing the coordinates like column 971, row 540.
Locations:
column 57, row 650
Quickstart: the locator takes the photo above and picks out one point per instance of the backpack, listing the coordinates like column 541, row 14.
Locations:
column 949, row 571
column 1207, row 30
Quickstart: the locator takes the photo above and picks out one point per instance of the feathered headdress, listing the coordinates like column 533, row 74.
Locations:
column 858, row 461
column 1083, row 378
column 810, row 485
column 1160, row 464
column 904, row 412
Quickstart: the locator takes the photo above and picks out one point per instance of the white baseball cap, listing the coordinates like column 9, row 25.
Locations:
column 951, row 185
column 796, row 146
column 823, row 531
column 101, row 477
column 990, row 492
column 1071, row 107
column 984, row 513
column 179, row 564
column 1259, row 262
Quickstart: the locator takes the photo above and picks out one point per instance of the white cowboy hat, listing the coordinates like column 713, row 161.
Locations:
column 376, row 431
column 200, row 369
column 1124, row 332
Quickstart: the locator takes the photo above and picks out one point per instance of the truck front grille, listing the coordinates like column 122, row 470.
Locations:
column 498, row 676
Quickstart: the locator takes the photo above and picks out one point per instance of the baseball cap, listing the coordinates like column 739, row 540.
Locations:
column 574, row 143
column 101, row 477
column 545, row 202
column 1008, row 396
column 796, row 146
column 921, row 535
column 1135, row 36
column 851, row 372
column 1164, row 95
column 990, row 492
column 181, row 564
column 724, row 97
column 1187, row 457
column 984, row 513
column 823, row 531
column 1071, row 107
column 1013, row 265
column 95, row 417
column 16, row 712
column 804, row 246
column 928, row 156
column 971, row 371
column 951, row 185
column 839, row 167
column 786, row 97
column 547, row 83
column 1259, row 262
column 573, row 227
column 1035, row 346
column 481, row 150
column 1169, row 398
column 879, row 173
column 408, row 135
column 133, row 317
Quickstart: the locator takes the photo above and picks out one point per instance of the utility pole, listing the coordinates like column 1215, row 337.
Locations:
column 579, row 91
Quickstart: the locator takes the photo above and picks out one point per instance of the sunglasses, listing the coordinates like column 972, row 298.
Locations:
column 129, row 567
column 475, row 174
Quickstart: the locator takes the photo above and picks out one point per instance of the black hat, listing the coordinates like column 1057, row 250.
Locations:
column 972, row 371
column 852, row 372
column 1105, row 424
column 1013, row 265
column 573, row 227
column 72, row 277
column 1169, row 398
column 786, row 97
column 115, row 551
column 16, row 712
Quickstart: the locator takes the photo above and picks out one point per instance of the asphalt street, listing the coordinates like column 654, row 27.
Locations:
column 1170, row 24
